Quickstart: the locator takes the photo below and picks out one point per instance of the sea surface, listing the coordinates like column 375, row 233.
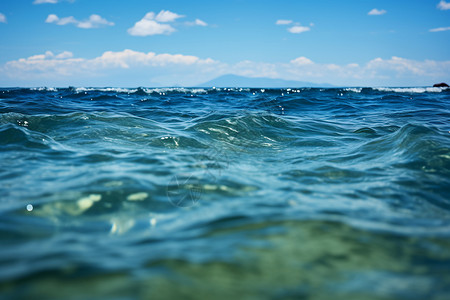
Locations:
column 174, row 193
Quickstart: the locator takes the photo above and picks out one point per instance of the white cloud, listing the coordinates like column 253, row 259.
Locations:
column 200, row 22
column 439, row 29
column 128, row 58
column 64, row 55
column 50, row 55
column 149, row 25
column 415, row 72
column 395, row 71
column 302, row 61
column 167, row 16
column 298, row 29
column 94, row 21
column 146, row 27
column 45, row 1
column 49, row 65
column 63, row 21
column 443, row 5
column 152, row 24
column 139, row 68
column 283, row 22
column 2, row 18
column 52, row 19
column 50, row 1
column 376, row 12
column 197, row 22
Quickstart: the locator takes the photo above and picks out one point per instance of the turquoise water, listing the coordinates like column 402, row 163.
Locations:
column 340, row 193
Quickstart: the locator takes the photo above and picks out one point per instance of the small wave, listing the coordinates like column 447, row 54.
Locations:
column 17, row 137
column 176, row 90
column 46, row 89
column 354, row 90
column 116, row 90
column 418, row 90
column 160, row 91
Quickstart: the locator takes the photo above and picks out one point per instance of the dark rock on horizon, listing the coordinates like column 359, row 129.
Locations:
column 442, row 84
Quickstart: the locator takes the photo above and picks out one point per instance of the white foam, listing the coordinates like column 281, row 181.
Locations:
column 410, row 89
column 179, row 90
column 160, row 91
column 48, row 89
column 117, row 90
column 354, row 90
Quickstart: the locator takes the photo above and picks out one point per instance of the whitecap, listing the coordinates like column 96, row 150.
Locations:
column 410, row 89
column 44, row 88
column 117, row 90
column 354, row 90
column 176, row 90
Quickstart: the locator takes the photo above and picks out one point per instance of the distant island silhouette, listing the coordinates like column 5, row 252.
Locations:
column 258, row 82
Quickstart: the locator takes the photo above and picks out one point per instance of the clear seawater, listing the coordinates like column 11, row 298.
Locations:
column 339, row 193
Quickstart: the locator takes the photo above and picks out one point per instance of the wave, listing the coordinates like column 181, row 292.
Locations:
column 212, row 90
column 15, row 138
column 46, row 89
column 160, row 91
column 417, row 90
column 354, row 90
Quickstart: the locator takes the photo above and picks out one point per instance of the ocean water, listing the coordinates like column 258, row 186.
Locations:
column 114, row 193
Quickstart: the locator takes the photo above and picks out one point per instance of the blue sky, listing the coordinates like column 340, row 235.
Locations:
column 165, row 43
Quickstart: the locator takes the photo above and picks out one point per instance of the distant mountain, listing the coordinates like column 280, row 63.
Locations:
column 258, row 82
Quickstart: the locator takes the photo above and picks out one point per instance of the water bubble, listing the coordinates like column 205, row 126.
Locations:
column 29, row 207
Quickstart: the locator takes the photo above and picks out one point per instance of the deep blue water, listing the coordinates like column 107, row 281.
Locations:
column 225, row 193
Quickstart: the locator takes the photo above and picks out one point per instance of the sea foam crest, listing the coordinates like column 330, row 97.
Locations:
column 44, row 88
column 145, row 90
column 410, row 89
column 117, row 90
column 354, row 90
column 175, row 90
